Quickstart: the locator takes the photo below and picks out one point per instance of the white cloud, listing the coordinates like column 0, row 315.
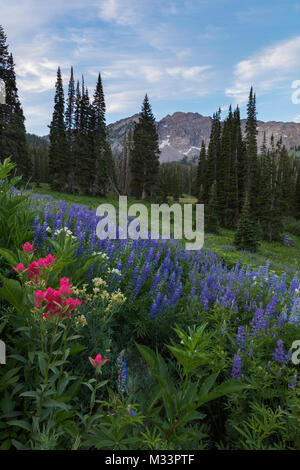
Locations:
column 122, row 101
column 148, row 54
column 119, row 11
column 189, row 73
column 266, row 70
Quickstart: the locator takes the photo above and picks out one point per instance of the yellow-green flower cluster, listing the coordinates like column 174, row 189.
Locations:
column 116, row 299
column 80, row 321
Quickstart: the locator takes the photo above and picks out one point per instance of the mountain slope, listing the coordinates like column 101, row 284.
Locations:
column 180, row 134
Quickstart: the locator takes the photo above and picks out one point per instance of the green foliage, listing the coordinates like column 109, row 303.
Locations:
column 211, row 214
column 144, row 156
column 15, row 222
column 258, row 430
column 58, row 164
column 291, row 225
column 182, row 398
column 12, row 128
column 246, row 236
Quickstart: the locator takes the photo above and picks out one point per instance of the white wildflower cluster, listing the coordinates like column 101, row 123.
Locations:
column 81, row 291
column 115, row 271
column 80, row 321
column 101, row 253
column 49, row 229
column 67, row 231
column 100, row 292
column 99, row 282
column 116, row 299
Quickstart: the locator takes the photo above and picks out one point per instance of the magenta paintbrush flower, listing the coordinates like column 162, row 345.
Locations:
column 98, row 361
column 27, row 248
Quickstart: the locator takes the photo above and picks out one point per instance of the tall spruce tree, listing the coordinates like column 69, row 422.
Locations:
column 144, row 158
column 76, row 149
column 286, row 180
column 12, row 128
column 297, row 195
column 246, row 233
column 123, row 166
column 264, row 200
column 251, row 149
column 213, row 155
column 211, row 211
column 201, row 168
column 86, row 162
column 3, row 77
column 237, row 160
column 58, row 150
column 223, row 164
column 241, row 159
column 70, row 117
column 101, row 149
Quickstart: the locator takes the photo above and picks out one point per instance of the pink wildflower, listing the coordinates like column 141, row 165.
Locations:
column 98, row 362
column 27, row 248
column 19, row 268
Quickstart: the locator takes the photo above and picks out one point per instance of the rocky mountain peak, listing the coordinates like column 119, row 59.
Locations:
column 181, row 134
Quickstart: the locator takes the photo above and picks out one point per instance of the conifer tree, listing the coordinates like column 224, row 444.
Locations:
column 3, row 107
column 241, row 159
column 211, row 211
column 236, row 178
column 144, row 157
column 101, row 150
column 213, row 155
column 297, row 195
column 265, row 199
column 245, row 235
column 201, row 169
column 58, row 150
column 123, row 166
column 251, row 149
column 223, row 166
column 163, row 183
column 70, row 110
column 286, row 180
column 76, row 150
column 12, row 129
column 85, row 164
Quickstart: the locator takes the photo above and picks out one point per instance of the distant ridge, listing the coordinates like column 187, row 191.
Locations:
column 180, row 134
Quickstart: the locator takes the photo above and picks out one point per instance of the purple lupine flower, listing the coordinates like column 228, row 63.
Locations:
column 122, row 373
column 236, row 366
column 279, row 355
column 240, row 338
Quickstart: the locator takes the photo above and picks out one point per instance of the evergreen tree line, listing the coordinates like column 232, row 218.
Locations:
column 80, row 156
column 138, row 167
column 38, row 151
column 239, row 183
column 175, row 179
column 12, row 128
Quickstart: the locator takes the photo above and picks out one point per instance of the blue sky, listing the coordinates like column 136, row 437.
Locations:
column 188, row 55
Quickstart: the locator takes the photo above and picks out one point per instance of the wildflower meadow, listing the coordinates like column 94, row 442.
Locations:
column 138, row 344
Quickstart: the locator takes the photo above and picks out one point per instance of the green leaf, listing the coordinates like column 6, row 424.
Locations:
column 208, row 383
column 12, row 292
column 148, row 355
column 231, row 386
column 20, row 424
column 9, row 256
column 55, row 404
column 76, row 348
